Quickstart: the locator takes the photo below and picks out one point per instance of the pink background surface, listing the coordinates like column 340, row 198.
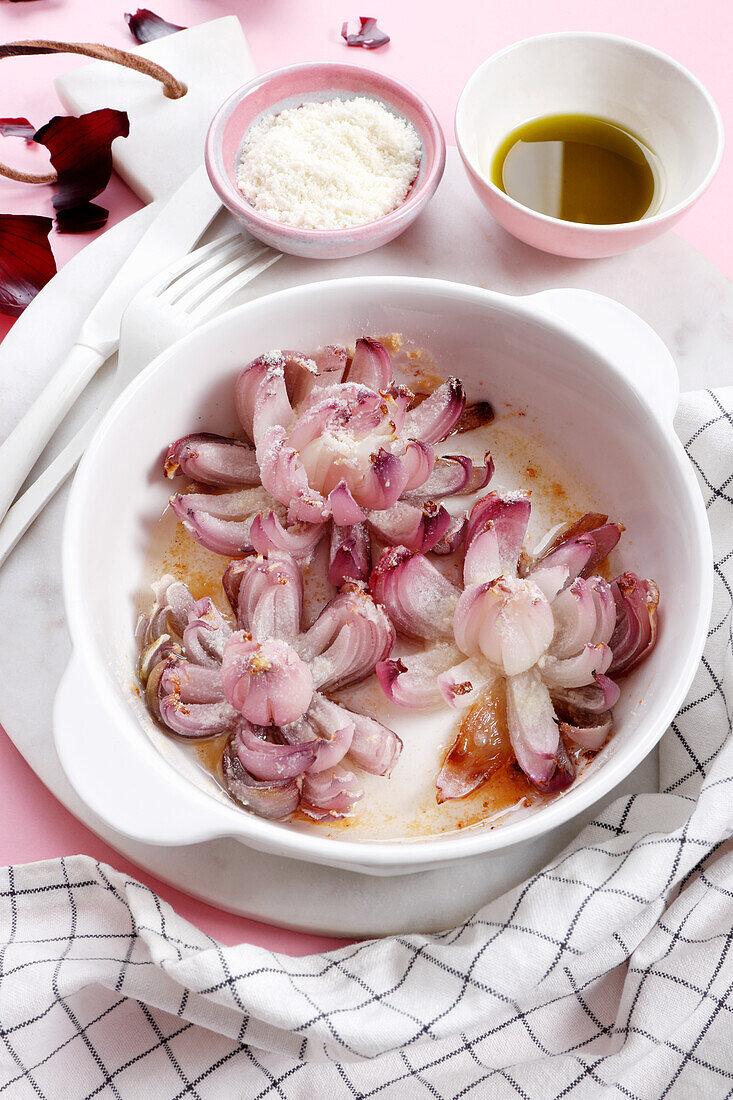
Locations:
column 435, row 47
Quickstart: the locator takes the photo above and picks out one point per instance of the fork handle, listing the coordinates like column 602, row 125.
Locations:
column 27, row 440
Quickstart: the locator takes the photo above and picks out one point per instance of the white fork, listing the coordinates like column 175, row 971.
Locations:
column 175, row 302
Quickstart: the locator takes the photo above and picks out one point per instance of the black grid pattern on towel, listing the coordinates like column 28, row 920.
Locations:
column 611, row 971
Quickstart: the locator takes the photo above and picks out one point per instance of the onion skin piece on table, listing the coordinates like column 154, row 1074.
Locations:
column 635, row 632
column 481, row 747
column 212, row 460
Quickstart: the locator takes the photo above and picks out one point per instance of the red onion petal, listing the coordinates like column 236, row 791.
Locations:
column 605, row 609
column 271, row 800
column 576, row 671
column 454, row 536
column 212, row 460
column 300, row 540
column 635, row 632
column 419, row 459
column 508, row 621
column 574, row 612
column 375, row 747
column 371, row 364
column 414, row 687
column 335, row 727
column 350, row 636
column 461, row 685
column 384, row 481
column 195, row 719
column 507, row 514
column 330, row 794
column 272, row 408
column 349, row 554
column 595, row 698
column 169, row 615
column 563, row 775
column 247, row 386
column 450, row 474
column 26, row 260
column 192, row 683
column 231, row 538
column 419, row 529
column 592, row 736
column 81, row 152
column 419, row 600
column 435, row 417
column 206, row 634
column 344, row 509
column 532, row 726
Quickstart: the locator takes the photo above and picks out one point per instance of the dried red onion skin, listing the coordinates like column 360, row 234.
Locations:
column 369, row 36
column 81, row 152
column 265, row 681
column 273, row 800
column 212, row 460
column 349, row 555
column 26, row 260
column 17, row 127
column 146, row 26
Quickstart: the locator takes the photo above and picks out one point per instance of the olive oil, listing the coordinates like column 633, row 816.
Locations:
column 580, row 169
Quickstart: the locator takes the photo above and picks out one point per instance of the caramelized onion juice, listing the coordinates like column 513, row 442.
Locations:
column 404, row 805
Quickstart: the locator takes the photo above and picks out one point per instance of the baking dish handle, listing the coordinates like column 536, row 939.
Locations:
column 136, row 791
column 622, row 337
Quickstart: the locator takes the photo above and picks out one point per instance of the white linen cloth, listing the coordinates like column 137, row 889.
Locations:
column 610, row 971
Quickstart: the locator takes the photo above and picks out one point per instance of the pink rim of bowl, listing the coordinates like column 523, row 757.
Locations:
column 583, row 72
column 289, row 87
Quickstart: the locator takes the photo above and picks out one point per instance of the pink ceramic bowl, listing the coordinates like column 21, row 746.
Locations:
column 291, row 87
column 613, row 78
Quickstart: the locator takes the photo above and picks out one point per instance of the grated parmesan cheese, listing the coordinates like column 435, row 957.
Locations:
column 329, row 165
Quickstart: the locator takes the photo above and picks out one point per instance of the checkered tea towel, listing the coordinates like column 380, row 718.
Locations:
column 610, row 972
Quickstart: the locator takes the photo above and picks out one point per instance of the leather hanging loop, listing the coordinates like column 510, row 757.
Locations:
column 172, row 88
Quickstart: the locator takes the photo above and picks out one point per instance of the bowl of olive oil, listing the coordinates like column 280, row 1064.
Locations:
column 587, row 145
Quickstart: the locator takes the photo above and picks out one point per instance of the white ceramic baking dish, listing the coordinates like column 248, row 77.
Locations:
column 601, row 389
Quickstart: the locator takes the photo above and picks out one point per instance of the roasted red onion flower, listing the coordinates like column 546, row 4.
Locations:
column 263, row 684
column 546, row 641
column 337, row 448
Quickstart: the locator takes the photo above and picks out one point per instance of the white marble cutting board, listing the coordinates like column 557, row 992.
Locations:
column 668, row 283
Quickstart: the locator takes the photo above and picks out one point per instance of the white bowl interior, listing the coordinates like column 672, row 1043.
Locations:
column 612, row 78
column 505, row 352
